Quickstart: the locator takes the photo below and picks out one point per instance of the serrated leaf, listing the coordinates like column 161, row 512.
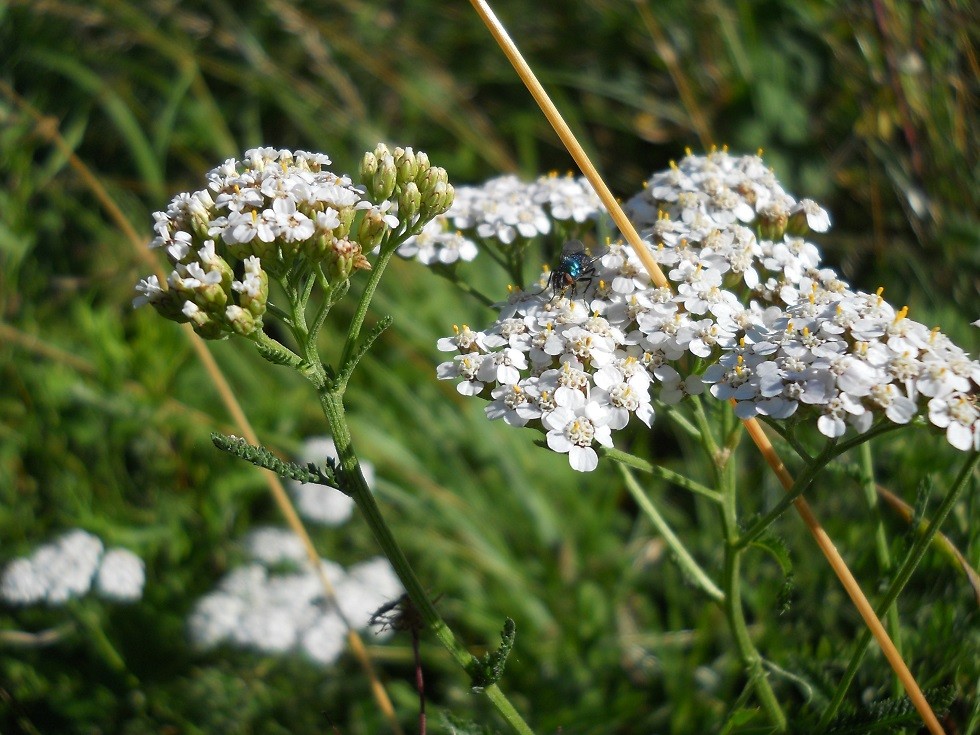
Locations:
column 777, row 549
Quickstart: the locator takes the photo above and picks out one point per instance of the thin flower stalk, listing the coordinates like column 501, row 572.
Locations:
column 683, row 556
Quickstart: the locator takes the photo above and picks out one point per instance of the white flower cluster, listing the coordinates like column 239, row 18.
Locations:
column 68, row 568
column 752, row 315
column 259, row 608
column 262, row 211
column 318, row 503
column 503, row 210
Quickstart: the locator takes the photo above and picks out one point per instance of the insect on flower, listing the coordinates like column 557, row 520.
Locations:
column 575, row 265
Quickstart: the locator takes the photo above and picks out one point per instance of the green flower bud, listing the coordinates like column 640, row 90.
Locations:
column 372, row 229
column 217, row 263
column 383, row 183
column 422, row 158
column 434, row 176
column 369, row 166
column 212, row 297
column 797, row 225
column 253, row 288
column 168, row 305
column 409, row 202
column 241, row 321
column 406, row 165
column 772, row 220
column 347, row 215
column 203, row 323
column 438, row 197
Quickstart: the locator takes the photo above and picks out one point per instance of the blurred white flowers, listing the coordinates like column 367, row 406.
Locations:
column 753, row 317
column 260, row 607
column 68, row 567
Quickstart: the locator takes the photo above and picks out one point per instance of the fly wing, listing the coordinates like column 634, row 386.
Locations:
column 597, row 251
column 571, row 247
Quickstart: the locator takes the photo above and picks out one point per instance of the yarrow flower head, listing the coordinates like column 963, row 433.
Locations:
column 504, row 211
column 752, row 316
column 278, row 212
column 275, row 604
column 68, row 567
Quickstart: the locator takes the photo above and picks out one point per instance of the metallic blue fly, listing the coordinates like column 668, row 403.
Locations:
column 575, row 265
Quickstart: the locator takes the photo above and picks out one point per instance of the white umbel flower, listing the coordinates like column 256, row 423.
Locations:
column 752, row 309
column 258, row 608
column 66, row 568
column 121, row 576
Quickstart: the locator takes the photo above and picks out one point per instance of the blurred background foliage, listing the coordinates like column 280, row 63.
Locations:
column 105, row 413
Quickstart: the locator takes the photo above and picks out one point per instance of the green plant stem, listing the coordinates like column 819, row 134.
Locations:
column 682, row 481
column 682, row 555
column 881, row 546
column 732, row 603
column 706, row 435
column 902, row 577
column 377, row 270
column 682, row 422
column 354, row 483
column 800, row 486
column 92, row 625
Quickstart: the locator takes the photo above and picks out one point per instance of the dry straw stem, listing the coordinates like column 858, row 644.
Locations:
column 753, row 427
column 48, row 129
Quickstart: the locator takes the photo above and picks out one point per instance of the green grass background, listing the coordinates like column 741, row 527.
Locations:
column 105, row 413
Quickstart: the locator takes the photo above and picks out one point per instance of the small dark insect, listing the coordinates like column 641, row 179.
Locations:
column 575, row 265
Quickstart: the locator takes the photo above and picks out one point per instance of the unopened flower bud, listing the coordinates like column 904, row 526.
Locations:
column 369, row 166
column 202, row 322
column 253, row 288
column 201, row 210
column 383, row 183
column 422, row 158
column 347, row 215
column 406, row 165
column 409, row 202
column 372, row 229
column 438, row 199
column 241, row 321
column 168, row 305
column 432, row 178
column 212, row 296
column 772, row 221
